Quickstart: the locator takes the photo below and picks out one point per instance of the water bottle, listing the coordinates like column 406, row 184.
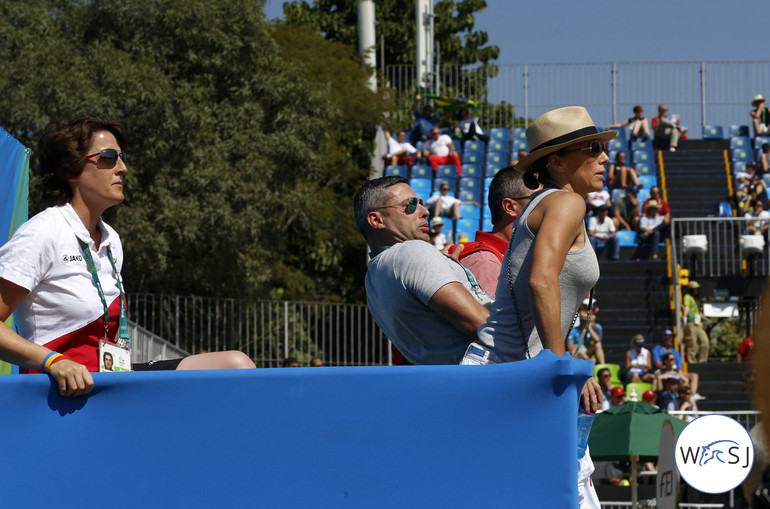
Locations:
column 584, row 422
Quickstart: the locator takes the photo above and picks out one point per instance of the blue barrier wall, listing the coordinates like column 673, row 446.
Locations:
column 417, row 436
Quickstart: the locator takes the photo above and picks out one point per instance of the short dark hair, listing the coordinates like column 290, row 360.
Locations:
column 62, row 152
column 369, row 197
column 637, row 108
column 766, row 147
column 602, row 370
column 507, row 183
column 288, row 361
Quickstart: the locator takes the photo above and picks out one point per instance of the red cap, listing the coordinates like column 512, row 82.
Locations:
column 618, row 391
column 648, row 395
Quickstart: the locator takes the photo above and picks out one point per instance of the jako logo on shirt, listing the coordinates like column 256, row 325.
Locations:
column 714, row 454
column 72, row 258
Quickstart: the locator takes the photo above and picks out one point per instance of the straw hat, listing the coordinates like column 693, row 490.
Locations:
column 757, row 99
column 558, row 128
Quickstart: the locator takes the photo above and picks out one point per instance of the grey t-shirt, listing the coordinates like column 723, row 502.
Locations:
column 400, row 282
column 503, row 330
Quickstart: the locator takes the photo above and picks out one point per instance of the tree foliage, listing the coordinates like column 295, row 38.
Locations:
column 238, row 184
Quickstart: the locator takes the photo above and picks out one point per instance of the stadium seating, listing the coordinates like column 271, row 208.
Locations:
column 473, row 157
column 500, row 134
column 499, row 159
column 421, row 171
column 419, row 145
column 740, row 142
column 712, row 132
column 619, row 145
column 452, row 183
column 468, row 226
column 739, row 167
column 644, row 168
column 519, row 133
column 643, row 195
column 472, row 170
column 641, row 144
column 473, row 194
column 518, row 144
column 487, row 182
column 486, row 224
column 637, row 388
column 400, row 170
column 458, row 145
column 643, row 156
column 614, row 372
column 473, row 146
column 648, row 181
column 740, row 154
column 491, row 169
column 471, row 184
column 446, row 171
column 470, row 211
column 627, row 238
column 497, row 146
column 617, row 194
column 725, row 209
column 421, row 187
column 759, row 141
column 739, row 130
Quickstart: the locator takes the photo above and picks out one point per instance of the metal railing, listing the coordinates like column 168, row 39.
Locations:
column 716, row 93
column 746, row 418
column 146, row 346
column 267, row 331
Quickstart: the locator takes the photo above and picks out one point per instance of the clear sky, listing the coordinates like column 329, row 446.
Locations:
column 556, row 31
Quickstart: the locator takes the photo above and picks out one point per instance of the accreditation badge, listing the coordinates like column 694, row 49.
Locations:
column 113, row 358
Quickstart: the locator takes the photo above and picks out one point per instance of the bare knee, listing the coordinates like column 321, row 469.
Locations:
column 232, row 359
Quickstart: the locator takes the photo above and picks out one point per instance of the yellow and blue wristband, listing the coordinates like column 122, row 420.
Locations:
column 50, row 359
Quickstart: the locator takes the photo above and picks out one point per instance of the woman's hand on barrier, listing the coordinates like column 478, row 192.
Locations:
column 73, row 378
column 591, row 395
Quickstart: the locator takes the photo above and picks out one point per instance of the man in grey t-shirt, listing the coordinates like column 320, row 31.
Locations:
column 426, row 303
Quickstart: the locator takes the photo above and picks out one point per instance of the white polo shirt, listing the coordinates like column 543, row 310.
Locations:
column 63, row 304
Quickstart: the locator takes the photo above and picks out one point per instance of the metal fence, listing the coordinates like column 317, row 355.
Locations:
column 713, row 93
column 267, row 331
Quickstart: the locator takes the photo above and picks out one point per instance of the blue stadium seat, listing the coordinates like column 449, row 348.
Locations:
column 766, row 179
column 473, row 194
column 446, row 171
column 627, row 238
column 470, row 184
column 486, row 224
column 617, row 194
column 648, row 181
column 499, row 159
column 420, row 145
column 619, row 145
column 642, row 156
column 473, row 157
column 473, row 146
column 422, row 171
column 740, row 154
column 400, row 170
column 468, row 226
column 642, row 195
column 740, row 142
column 739, row 130
column 613, row 155
column 519, row 145
column 486, row 213
column 470, row 211
column 759, row 141
column 472, row 170
column 519, row 133
column 500, row 134
column 644, row 168
column 622, row 133
column 712, row 132
column 421, row 187
column 739, row 167
column 487, row 182
column 491, row 169
column 497, row 146
column 458, row 145
column 437, row 185
column 449, row 225
column 725, row 209
column 641, row 144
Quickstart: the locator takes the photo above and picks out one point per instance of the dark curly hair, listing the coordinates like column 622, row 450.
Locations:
column 62, row 153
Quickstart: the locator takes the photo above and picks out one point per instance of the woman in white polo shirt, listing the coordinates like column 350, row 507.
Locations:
column 60, row 273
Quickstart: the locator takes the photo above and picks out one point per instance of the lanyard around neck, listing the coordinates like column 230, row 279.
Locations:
column 122, row 321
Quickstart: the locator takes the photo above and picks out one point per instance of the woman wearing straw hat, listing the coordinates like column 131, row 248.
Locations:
column 760, row 116
column 549, row 266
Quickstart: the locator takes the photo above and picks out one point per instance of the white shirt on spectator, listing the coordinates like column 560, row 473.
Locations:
column 394, row 147
column 440, row 146
column 601, row 230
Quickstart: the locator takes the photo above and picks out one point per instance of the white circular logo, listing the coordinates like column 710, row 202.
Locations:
column 714, row 454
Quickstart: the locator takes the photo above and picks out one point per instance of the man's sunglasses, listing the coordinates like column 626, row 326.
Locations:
column 596, row 148
column 109, row 156
column 411, row 205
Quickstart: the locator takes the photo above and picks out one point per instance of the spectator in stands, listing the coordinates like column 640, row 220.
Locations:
column 686, row 403
column 761, row 219
column 423, row 301
column 668, row 367
column 440, row 150
column 596, row 200
column 742, row 182
column 668, row 398
column 601, row 230
column 649, row 397
column 423, row 122
column 755, row 189
column 592, row 342
column 617, row 396
column 443, row 205
column 667, row 128
column 316, row 362
column 506, row 199
column 290, row 362
column 664, row 210
column 401, row 151
column 619, row 175
column 521, row 154
column 63, row 311
column 666, row 346
column 626, row 211
column 468, row 127
column 760, row 116
column 764, row 159
column 605, row 382
column 745, row 350
column 696, row 340
column 652, row 229
column 639, row 361
column 639, row 126
column 441, row 239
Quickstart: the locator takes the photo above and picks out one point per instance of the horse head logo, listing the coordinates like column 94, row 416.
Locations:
column 712, row 451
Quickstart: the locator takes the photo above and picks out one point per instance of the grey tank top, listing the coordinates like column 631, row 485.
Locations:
column 502, row 332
